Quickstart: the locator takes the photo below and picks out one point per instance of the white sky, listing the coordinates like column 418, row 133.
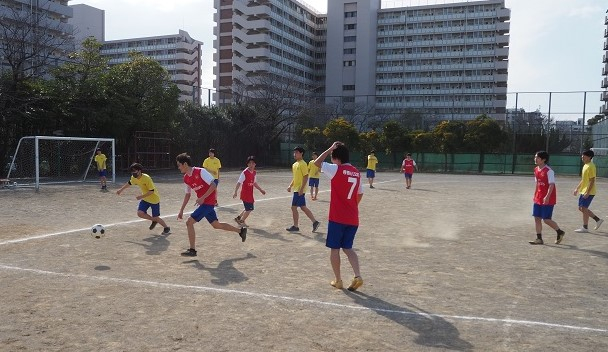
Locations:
column 555, row 45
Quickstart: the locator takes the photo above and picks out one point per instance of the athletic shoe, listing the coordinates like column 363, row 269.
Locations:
column 166, row 231
column 243, row 234
column 238, row 220
column 337, row 284
column 315, row 226
column 356, row 283
column 293, row 229
column 560, row 236
column 152, row 225
column 582, row 230
column 189, row 253
column 372, row 187
column 244, row 225
column 598, row 224
column 537, row 241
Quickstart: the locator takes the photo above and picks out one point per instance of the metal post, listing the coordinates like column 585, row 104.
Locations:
column 548, row 123
column 583, row 126
column 37, row 163
column 113, row 161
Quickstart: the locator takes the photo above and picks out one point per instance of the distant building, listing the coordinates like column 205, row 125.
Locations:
column 88, row 22
column 604, row 97
column 179, row 54
column 52, row 32
column 446, row 60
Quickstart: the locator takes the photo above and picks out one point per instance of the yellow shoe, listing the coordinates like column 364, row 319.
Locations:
column 337, row 284
column 356, row 283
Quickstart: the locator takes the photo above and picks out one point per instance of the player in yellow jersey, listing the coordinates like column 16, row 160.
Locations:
column 298, row 185
column 313, row 177
column 213, row 166
column 372, row 161
column 149, row 197
column 586, row 192
column 100, row 160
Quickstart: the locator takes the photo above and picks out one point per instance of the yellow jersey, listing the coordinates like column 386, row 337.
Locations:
column 589, row 172
column 299, row 169
column 145, row 184
column 100, row 159
column 313, row 170
column 213, row 166
column 372, row 161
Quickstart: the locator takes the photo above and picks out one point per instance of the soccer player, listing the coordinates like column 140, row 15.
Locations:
column 149, row 197
column 372, row 161
column 249, row 181
column 313, row 177
column 298, row 184
column 545, row 197
column 100, row 159
column 407, row 167
column 213, row 166
column 586, row 191
column 202, row 182
column 346, row 193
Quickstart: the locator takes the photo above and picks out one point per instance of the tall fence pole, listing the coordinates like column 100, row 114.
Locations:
column 583, row 126
column 548, row 124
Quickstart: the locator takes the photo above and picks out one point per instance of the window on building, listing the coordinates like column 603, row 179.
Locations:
column 349, row 63
column 350, row 26
column 350, row 38
column 348, row 87
column 348, row 51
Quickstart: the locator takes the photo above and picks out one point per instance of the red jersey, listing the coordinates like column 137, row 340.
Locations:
column 247, row 179
column 345, row 188
column 199, row 181
column 544, row 177
column 408, row 166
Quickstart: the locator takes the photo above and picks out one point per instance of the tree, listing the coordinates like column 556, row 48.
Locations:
column 484, row 135
column 395, row 138
column 313, row 138
column 343, row 131
column 448, row 137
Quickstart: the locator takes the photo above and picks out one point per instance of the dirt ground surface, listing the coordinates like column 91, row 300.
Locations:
column 446, row 265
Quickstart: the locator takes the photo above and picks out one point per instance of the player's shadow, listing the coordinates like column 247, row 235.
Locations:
column 433, row 330
column 156, row 244
column 269, row 235
column 225, row 273
column 590, row 251
column 423, row 190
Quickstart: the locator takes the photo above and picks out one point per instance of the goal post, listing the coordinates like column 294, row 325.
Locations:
column 51, row 160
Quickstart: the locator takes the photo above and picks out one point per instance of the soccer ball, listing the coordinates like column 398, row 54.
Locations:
column 98, row 231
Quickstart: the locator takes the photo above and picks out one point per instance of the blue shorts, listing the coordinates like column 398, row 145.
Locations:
column 585, row 203
column 248, row 206
column 102, row 173
column 340, row 235
column 298, row 200
column 371, row 173
column 216, row 181
column 143, row 206
column 204, row 211
column 313, row 182
column 542, row 211
column 408, row 175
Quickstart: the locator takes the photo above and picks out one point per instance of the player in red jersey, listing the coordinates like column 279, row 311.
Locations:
column 407, row 167
column 249, row 180
column 346, row 193
column 202, row 182
column 545, row 198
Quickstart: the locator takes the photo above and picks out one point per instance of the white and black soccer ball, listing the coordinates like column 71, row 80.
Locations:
column 98, row 231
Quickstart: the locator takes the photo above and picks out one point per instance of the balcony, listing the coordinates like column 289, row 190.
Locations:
column 605, row 83
column 504, row 14
column 604, row 96
column 604, row 109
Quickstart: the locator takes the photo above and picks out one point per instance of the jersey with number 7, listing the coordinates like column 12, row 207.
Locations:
column 345, row 189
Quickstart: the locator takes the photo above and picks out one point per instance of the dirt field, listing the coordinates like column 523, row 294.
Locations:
column 446, row 264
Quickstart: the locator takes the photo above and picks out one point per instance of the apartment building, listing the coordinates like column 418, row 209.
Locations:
column 52, row 38
column 88, row 21
column 279, row 40
column 449, row 61
column 604, row 96
column 179, row 54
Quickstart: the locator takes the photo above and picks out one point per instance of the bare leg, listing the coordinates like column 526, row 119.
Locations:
column 224, row 226
column 334, row 258
column 144, row 215
column 160, row 221
column 353, row 258
column 551, row 224
column 191, row 234
column 244, row 215
column 539, row 224
column 296, row 216
column 308, row 213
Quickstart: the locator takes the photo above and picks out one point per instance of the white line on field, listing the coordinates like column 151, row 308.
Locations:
column 37, row 237
column 301, row 300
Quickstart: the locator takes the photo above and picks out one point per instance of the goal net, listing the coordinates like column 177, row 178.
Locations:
column 47, row 160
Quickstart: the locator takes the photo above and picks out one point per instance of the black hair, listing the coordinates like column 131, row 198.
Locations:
column 543, row 155
column 341, row 153
column 212, row 150
column 250, row 158
column 300, row 149
column 589, row 153
column 184, row 158
column 136, row 167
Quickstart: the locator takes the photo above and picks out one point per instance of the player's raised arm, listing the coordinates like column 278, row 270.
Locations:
column 325, row 154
